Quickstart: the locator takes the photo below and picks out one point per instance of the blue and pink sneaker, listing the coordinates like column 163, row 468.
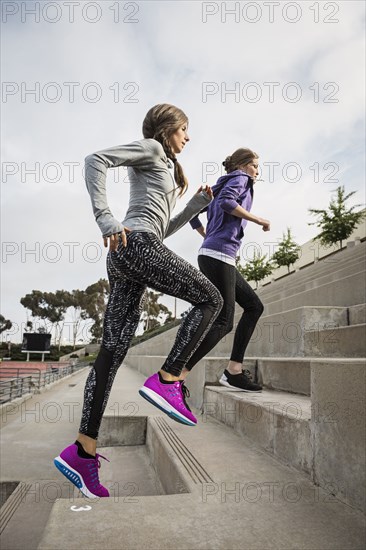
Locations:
column 169, row 398
column 82, row 472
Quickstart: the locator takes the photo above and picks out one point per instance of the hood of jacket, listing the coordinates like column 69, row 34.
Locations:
column 221, row 182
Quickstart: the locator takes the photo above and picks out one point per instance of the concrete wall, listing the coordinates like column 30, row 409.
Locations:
column 338, row 428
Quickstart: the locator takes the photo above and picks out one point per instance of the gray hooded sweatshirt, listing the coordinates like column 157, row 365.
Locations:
column 153, row 191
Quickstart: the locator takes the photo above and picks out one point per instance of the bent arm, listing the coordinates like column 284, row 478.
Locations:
column 96, row 166
column 240, row 212
column 197, row 203
column 228, row 198
column 228, row 201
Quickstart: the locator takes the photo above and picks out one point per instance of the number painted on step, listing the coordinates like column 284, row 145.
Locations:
column 80, row 508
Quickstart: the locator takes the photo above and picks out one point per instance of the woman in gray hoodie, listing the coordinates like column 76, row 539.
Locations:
column 138, row 259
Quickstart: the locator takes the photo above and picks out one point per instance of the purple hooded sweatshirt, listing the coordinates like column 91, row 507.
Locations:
column 224, row 231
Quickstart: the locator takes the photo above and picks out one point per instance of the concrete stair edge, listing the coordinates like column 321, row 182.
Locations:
column 347, row 255
column 325, row 293
column 312, row 282
column 339, row 273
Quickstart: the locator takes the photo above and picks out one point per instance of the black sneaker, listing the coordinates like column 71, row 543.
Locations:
column 241, row 381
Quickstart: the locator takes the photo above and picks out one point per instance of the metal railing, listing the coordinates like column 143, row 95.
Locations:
column 17, row 381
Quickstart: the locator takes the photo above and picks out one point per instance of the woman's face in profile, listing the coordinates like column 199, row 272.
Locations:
column 252, row 169
column 179, row 139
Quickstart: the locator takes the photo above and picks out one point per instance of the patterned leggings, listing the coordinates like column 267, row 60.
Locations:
column 146, row 261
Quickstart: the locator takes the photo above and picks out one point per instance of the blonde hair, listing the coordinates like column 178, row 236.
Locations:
column 160, row 122
column 239, row 158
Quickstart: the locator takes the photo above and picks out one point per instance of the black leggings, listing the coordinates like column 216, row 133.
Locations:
column 233, row 288
column 146, row 261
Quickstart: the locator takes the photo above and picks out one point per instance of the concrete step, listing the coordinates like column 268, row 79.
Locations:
column 338, row 290
column 24, row 515
column 327, row 265
column 337, row 342
column 357, row 314
column 338, row 390
column 294, row 287
column 277, row 502
column 346, row 292
column 315, row 272
column 276, row 514
column 293, row 333
column 275, row 421
column 324, row 435
column 281, row 373
column 283, row 334
column 277, row 334
column 293, row 375
column 287, row 374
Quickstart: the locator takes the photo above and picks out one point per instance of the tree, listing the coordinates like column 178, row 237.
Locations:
column 57, row 305
column 96, row 300
column 288, row 251
column 338, row 223
column 35, row 303
column 256, row 269
column 154, row 313
column 48, row 306
column 78, row 301
column 83, row 304
column 5, row 324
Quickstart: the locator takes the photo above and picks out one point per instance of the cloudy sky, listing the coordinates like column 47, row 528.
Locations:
column 283, row 78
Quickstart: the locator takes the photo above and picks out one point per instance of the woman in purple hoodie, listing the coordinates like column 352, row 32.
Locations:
column 227, row 216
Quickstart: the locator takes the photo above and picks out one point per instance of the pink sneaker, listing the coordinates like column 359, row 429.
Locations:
column 82, row 472
column 169, row 398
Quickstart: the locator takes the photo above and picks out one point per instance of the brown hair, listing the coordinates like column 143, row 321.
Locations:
column 160, row 122
column 239, row 158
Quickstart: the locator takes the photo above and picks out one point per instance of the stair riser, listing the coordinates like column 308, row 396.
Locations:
column 291, row 376
column 277, row 334
column 338, row 422
column 283, row 334
column 285, row 376
column 345, row 292
column 316, row 270
column 286, row 438
column 357, row 314
column 313, row 281
column 341, row 342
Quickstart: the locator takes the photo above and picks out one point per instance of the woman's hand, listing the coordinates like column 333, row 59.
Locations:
column 207, row 189
column 114, row 239
column 266, row 225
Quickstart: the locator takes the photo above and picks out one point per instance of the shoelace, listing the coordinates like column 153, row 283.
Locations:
column 247, row 373
column 93, row 469
column 179, row 390
column 185, row 394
